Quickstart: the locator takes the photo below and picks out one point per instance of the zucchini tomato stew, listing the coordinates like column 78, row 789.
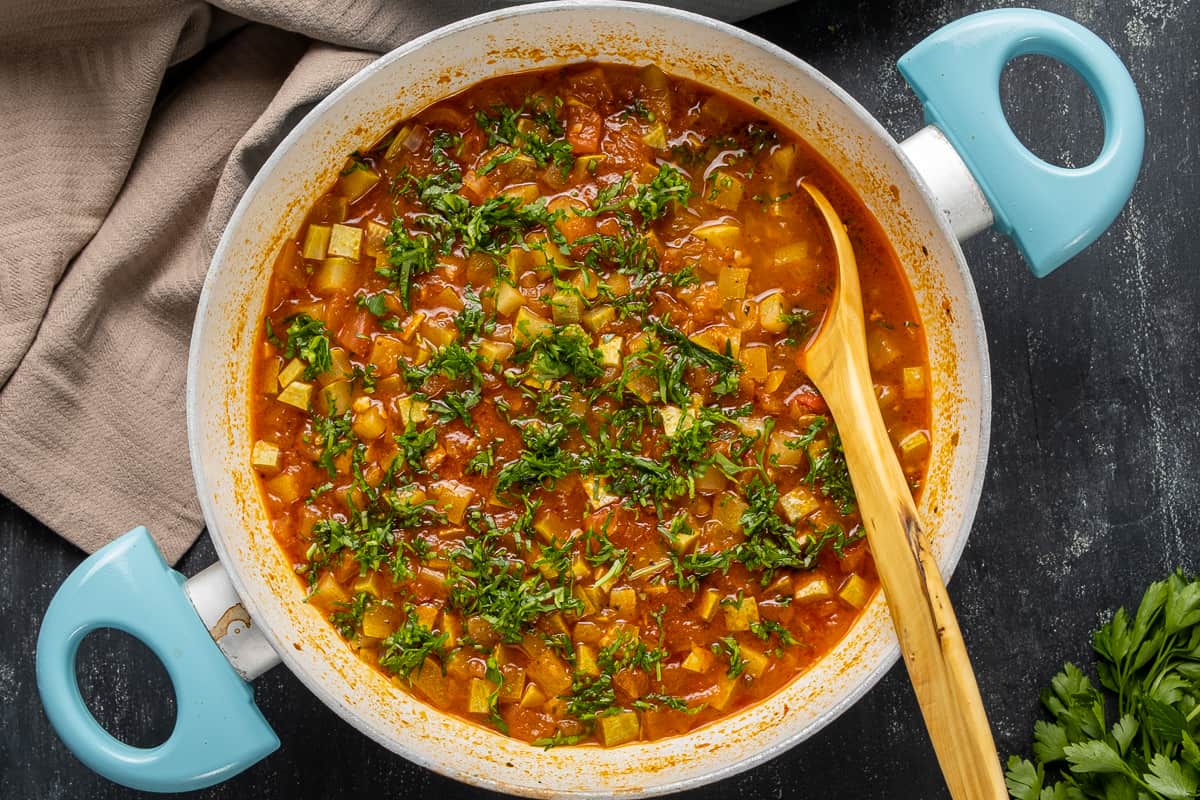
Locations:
column 528, row 414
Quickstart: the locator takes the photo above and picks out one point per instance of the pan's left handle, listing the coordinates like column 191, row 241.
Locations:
column 218, row 730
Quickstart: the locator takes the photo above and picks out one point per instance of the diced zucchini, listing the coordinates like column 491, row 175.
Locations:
column 623, row 599
column 333, row 400
column 508, row 299
column 265, row 456
column 524, row 193
column 725, row 190
column 316, row 242
column 815, row 588
column 345, row 241
column 754, row 360
column 881, row 350
column 294, row 369
column 774, row 380
column 268, row 382
column 671, row 417
column 913, row 382
column 566, row 307
column 532, row 697
column 590, row 597
column 379, row 621
column 586, row 166
column 528, row 326
column 340, row 367
column 739, row 614
column 595, row 319
column 297, row 394
column 711, row 480
column 374, row 238
column 721, row 235
column 780, row 454
column 855, row 591
column 551, row 528
column 440, row 330
column 755, row 662
column 543, row 253
column 587, row 283
column 914, row 446
column 731, row 282
column 719, row 339
column 791, row 254
column 610, row 350
column 619, row 728
column 452, row 499
column 328, row 594
column 386, row 352
column 513, row 687
column 479, row 696
column 369, row 424
column 699, row 659
column 409, row 409
column 728, row 511
column 356, row 182
column 656, row 137
column 452, row 627
column 336, row 275
column 373, row 583
column 706, row 606
column 726, row 689
column 285, row 486
column 798, row 504
column 596, row 489
column 585, row 660
column 771, row 311
column 493, row 353
column 433, row 683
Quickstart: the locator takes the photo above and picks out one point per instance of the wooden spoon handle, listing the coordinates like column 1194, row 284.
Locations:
column 925, row 624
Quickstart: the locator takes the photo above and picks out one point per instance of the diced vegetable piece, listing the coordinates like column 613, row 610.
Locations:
column 356, row 181
column 816, row 588
column 549, row 671
column 336, row 275
column 792, row 254
column 610, row 350
column 619, row 728
column 432, row 683
column 493, row 353
column 316, row 242
column 623, row 599
column 333, row 400
column 479, row 696
column 722, row 235
column 755, row 662
column 513, row 687
column 771, row 311
column 410, row 409
column 543, row 253
column 297, row 394
column 914, row 446
column 379, row 621
column 374, row 238
column 551, row 528
column 345, row 241
column 596, row 318
column 373, row 583
column 698, row 660
column 585, row 660
column 671, row 417
column 269, row 376
column 706, row 606
column 715, row 108
column 532, row 697
column 528, row 326
column 328, row 594
column 590, row 597
column 566, row 307
column 725, row 189
column 881, row 350
column 774, row 380
column 265, row 456
column 523, row 192
column 731, row 282
column 655, row 137
column 508, row 299
column 452, row 499
column 798, row 504
column 721, row 339
column 728, row 510
column 710, row 481
column 294, row 369
column 780, row 454
column 596, row 489
column 285, row 486
column 726, row 689
column 913, row 382
column 370, row 424
column 740, row 613
column 855, row 591
column 440, row 330
column 754, row 359
column 452, row 627
column 386, row 352
column 340, row 367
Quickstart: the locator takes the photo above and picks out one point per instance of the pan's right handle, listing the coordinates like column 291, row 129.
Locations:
column 1051, row 212
column 218, row 730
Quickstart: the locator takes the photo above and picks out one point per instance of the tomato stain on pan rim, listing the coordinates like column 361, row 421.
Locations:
column 440, row 64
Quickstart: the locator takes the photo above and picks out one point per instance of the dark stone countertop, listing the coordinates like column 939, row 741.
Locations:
column 1092, row 488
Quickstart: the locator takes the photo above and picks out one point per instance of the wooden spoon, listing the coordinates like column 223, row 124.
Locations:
column 836, row 361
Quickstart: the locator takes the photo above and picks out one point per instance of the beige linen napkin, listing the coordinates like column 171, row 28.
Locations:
column 128, row 131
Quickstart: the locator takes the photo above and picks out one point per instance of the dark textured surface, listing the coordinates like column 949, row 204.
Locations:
column 1092, row 488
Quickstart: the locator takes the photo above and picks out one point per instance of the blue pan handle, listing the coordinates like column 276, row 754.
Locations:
column 218, row 730
column 1051, row 212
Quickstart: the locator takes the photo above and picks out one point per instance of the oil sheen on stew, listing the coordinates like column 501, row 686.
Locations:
column 528, row 414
